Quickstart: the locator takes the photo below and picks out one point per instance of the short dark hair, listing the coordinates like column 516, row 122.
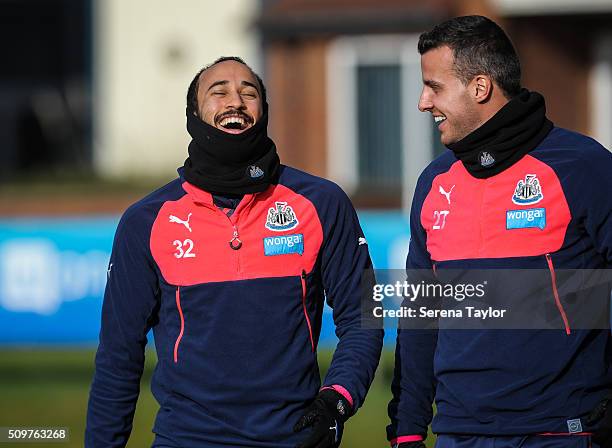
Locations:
column 192, row 91
column 479, row 46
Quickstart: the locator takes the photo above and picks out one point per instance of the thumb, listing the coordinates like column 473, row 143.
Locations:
column 303, row 422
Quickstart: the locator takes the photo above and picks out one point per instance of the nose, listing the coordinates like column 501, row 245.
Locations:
column 234, row 100
column 425, row 103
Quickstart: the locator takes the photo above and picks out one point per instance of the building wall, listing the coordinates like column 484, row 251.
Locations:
column 146, row 53
column 297, row 85
column 556, row 58
column 556, row 54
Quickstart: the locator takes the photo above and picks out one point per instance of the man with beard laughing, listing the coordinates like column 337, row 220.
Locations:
column 230, row 265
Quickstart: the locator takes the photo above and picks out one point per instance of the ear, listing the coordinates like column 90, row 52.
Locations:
column 481, row 88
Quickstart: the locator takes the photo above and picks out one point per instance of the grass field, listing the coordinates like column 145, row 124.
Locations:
column 50, row 388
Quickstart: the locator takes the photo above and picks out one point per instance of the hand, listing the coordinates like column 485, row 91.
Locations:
column 602, row 414
column 410, row 445
column 326, row 415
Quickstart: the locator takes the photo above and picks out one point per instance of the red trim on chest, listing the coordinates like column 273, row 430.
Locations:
column 467, row 218
column 190, row 238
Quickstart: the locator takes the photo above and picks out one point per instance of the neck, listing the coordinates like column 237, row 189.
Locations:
column 510, row 131
column 496, row 102
column 230, row 164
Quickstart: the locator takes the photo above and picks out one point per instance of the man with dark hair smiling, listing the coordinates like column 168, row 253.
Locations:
column 503, row 388
column 229, row 265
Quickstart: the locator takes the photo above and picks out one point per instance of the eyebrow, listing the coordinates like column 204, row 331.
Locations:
column 431, row 83
column 224, row 82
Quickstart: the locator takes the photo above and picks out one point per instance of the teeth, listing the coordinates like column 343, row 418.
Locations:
column 439, row 119
column 229, row 120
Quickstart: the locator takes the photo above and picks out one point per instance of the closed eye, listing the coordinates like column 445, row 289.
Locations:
column 250, row 94
column 433, row 85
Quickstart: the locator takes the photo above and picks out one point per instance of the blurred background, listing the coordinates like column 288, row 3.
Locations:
column 92, row 118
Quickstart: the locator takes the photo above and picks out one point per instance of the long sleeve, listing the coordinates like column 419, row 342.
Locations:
column 413, row 385
column 345, row 263
column 597, row 187
column 130, row 302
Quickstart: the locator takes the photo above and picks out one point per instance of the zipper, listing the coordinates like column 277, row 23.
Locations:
column 481, row 221
column 235, row 243
column 553, row 278
column 303, row 280
column 180, row 336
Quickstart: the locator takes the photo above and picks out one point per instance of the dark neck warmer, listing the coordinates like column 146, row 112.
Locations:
column 230, row 164
column 503, row 140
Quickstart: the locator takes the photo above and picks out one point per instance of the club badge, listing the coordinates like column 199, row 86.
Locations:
column 281, row 218
column 486, row 159
column 255, row 172
column 528, row 191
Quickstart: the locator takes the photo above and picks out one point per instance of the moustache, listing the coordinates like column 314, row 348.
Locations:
column 248, row 119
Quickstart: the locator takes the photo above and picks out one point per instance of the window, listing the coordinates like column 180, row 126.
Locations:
column 45, row 86
column 379, row 124
column 378, row 140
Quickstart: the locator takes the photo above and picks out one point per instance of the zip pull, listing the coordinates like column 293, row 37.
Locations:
column 303, row 281
column 553, row 278
column 235, row 242
column 182, row 318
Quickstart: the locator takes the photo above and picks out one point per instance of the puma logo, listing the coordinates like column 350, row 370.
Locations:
column 446, row 194
column 180, row 221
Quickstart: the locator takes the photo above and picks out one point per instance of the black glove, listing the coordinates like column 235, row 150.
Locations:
column 602, row 414
column 410, row 445
column 326, row 415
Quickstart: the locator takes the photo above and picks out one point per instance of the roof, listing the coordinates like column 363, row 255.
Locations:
column 551, row 7
column 292, row 18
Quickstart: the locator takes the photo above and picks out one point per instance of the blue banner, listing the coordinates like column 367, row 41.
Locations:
column 52, row 277
column 53, row 273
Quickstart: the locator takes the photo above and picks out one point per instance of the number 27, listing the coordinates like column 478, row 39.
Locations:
column 440, row 217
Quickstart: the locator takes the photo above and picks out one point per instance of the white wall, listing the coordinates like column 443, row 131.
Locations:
column 345, row 54
column 601, row 91
column 543, row 7
column 145, row 54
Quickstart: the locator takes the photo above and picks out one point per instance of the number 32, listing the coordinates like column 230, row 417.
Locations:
column 183, row 249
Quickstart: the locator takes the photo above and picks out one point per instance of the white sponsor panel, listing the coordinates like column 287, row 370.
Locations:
column 37, row 277
column 30, row 276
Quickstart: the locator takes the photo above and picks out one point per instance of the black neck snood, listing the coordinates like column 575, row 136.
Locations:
column 503, row 140
column 230, row 164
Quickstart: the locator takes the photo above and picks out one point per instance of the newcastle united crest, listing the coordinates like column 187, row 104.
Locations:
column 528, row 191
column 281, row 218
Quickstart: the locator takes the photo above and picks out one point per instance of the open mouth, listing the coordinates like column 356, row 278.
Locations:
column 439, row 119
column 234, row 123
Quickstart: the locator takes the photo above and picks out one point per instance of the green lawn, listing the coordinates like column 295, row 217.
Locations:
column 50, row 388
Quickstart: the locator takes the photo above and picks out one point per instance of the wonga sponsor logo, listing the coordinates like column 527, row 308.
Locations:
column 283, row 245
column 524, row 219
